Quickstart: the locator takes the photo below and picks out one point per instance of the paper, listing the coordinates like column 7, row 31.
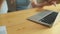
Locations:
column 3, row 30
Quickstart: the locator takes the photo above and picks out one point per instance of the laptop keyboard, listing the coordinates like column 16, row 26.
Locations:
column 49, row 19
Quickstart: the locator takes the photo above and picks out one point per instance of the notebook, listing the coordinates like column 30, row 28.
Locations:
column 46, row 17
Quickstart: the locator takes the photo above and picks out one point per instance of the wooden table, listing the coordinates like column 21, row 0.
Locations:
column 17, row 22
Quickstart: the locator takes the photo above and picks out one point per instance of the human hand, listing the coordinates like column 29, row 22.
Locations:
column 44, row 3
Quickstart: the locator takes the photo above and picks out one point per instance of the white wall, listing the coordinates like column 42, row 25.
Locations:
column 4, row 7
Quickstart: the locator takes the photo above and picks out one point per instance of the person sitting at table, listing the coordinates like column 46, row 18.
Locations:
column 26, row 4
column 3, row 7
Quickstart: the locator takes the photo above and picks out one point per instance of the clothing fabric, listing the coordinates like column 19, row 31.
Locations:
column 23, row 4
column 4, row 7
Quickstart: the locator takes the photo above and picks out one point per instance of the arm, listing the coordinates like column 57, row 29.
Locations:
column 44, row 3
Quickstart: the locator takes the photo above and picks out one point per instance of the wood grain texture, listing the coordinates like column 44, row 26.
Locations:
column 17, row 22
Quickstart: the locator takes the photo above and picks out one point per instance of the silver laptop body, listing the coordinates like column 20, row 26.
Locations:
column 42, row 14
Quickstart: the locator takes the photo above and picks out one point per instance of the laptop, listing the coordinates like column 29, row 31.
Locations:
column 46, row 17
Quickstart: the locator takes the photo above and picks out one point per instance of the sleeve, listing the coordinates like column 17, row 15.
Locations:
column 4, row 7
